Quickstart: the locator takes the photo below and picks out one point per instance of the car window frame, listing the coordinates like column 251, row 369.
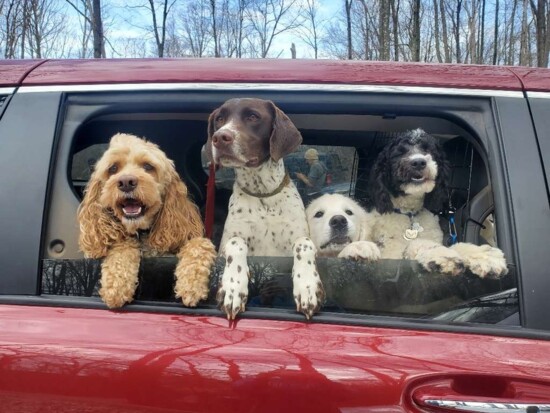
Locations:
column 485, row 125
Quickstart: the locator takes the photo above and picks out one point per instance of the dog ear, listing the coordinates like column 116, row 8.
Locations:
column 178, row 220
column 208, row 145
column 285, row 138
column 98, row 229
column 379, row 181
column 434, row 200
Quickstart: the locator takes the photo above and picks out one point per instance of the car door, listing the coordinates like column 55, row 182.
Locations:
column 62, row 351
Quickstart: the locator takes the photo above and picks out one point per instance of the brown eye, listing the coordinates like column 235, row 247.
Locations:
column 319, row 214
column 112, row 169
column 148, row 167
column 349, row 212
column 253, row 117
column 219, row 119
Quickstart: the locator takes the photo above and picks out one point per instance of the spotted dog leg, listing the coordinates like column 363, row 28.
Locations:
column 309, row 293
column 233, row 291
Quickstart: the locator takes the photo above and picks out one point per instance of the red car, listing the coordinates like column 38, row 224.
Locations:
column 390, row 337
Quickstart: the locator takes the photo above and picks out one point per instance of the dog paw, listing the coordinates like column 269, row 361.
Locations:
column 442, row 260
column 191, row 293
column 233, row 292
column 308, row 290
column 193, row 271
column 361, row 250
column 119, row 276
column 486, row 261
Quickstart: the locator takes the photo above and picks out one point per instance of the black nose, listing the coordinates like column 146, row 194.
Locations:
column 418, row 163
column 127, row 183
column 222, row 138
column 338, row 222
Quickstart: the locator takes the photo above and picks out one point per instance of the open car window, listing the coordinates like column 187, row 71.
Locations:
column 348, row 145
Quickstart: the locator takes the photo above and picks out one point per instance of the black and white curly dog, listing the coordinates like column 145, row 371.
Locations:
column 408, row 180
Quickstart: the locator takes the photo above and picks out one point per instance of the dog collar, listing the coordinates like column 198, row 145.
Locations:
column 285, row 182
column 411, row 215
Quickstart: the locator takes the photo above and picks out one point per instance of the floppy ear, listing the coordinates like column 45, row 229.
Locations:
column 379, row 181
column 285, row 138
column 98, row 229
column 178, row 219
column 434, row 200
column 208, row 146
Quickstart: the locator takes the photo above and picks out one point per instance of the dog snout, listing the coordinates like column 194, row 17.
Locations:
column 418, row 163
column 338, row 222
column 222, row 138
column 127, row 183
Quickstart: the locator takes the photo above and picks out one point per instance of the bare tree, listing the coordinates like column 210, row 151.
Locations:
column 348, row 4
column 268, row 19
column 415, row 31
column 542, row 20
column 194, row 20
column 159, row 10
column 93, row 14
column 12, row 21
column 384, row 30
column 45, row 26
column 311, row 25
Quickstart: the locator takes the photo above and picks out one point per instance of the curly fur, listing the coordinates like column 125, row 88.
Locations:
column 159, row 210
column 409, row 182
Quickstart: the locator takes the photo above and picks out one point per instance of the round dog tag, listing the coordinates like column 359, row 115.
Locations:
column 410, row 234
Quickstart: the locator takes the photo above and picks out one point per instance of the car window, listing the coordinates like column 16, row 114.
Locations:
column 395, row 287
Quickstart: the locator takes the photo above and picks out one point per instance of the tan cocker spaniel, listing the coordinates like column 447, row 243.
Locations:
column 134, row 204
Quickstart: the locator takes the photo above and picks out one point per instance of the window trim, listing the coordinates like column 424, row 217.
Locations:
column 451, row 101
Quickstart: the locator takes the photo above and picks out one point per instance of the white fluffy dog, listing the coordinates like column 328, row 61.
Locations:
column 338, row 226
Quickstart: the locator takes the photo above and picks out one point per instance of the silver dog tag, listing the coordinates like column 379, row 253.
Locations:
column 417, row 227
column 410, row 234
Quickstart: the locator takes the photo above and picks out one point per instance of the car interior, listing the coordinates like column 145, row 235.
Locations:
column 348, row 141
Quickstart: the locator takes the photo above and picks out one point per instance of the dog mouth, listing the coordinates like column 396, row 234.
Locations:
column 336, row 240
column 132, row 208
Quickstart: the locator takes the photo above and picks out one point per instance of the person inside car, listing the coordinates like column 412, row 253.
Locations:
column 317, row 176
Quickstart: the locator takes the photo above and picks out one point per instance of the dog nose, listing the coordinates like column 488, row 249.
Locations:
column 222, row 138
column 127, row 183
column 418, row 163
column 338, row 222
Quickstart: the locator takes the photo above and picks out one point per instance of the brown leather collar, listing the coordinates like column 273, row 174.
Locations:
column 285, row 182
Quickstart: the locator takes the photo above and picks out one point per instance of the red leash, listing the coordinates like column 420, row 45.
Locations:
column 210, row 198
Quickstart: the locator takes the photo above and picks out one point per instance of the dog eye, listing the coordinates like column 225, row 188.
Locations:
column 148, row 167
column 112, row 169
column 219, row 119
column 319, row 214
column 349, row 212
column 253, row 117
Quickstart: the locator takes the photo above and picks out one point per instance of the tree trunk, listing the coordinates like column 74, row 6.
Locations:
column 436, row 33
column 415, row 37
column 495, row 51
column 348, row 22
column 523, row 48
column 445, row 33
column 97, row 30
column 457, row 30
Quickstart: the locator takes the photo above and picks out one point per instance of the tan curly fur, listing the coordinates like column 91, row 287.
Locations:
column 113, row 212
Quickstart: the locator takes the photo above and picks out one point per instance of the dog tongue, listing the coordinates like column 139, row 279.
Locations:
column 132, row 208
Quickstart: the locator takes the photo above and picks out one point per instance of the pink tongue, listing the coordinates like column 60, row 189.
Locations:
column 132, row 209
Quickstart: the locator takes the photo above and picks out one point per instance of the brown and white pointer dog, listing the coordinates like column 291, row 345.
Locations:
column 266, row 214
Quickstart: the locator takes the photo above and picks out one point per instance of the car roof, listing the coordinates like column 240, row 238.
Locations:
column 284, row 71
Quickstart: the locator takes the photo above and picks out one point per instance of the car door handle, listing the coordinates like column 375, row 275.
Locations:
column 487, row 407
column 480, row 394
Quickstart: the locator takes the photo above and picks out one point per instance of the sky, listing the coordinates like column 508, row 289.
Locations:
column 124, row 22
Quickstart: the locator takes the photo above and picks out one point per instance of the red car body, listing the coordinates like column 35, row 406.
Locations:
column 63, row 359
